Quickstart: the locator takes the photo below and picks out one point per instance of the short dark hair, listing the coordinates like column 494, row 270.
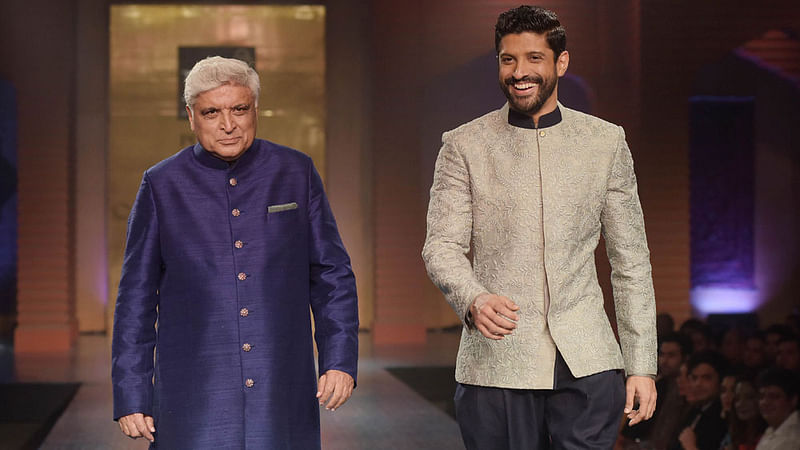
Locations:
column 782, row 378
column 681, row 340
column 532, row 19
column 712, row 358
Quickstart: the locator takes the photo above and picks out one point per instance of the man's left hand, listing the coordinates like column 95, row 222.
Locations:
column 642, row 389
column 334, row 387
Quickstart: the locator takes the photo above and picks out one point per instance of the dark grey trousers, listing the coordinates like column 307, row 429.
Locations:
column 579, row 413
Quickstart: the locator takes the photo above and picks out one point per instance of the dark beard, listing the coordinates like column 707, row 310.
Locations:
column 545, row 90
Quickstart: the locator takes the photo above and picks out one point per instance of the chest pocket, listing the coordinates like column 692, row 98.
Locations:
column 282, row 213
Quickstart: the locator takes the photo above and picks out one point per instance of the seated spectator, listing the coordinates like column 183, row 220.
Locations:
column 662, row 428
column 746, row 425
column 727, row 389
column 703, row 427
column 772, row 336
column 700, row 334
column 777, row 389
column 684, row 387
column 732, row 346
column 789, row 354
column 754, row 358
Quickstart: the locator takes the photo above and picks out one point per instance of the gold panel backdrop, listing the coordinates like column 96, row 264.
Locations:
column 289, row 44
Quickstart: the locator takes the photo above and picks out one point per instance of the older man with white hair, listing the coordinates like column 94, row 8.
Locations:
column 230, row 242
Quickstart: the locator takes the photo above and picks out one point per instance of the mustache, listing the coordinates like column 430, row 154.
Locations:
column 531, row 79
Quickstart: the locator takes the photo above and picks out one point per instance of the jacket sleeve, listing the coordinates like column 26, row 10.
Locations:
column 450, row 230
column 334, row 301
column 135, row 315
column 631, row 278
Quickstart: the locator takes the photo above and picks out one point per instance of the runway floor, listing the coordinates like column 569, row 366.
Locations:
column 383, row 413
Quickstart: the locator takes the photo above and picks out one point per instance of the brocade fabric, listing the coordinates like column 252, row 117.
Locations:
column 531, row 205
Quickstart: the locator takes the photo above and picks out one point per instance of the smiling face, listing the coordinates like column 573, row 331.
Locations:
column 529, row 72
column 224, row 120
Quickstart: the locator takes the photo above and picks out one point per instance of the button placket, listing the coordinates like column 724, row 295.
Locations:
column 241, row 276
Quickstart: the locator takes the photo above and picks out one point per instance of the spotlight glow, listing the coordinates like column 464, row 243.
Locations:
column 714, row 300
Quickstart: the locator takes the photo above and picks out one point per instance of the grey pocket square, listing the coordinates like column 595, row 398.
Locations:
column 282, row 207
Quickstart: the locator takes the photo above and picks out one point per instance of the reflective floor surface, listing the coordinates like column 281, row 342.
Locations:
column 382, row 414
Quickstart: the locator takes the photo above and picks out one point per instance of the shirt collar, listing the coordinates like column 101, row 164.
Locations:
column 207, row 159
column 520, row 120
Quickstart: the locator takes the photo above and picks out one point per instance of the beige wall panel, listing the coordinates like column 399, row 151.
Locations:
column 289, row 44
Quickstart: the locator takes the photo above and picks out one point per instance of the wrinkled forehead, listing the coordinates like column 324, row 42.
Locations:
column 227, row 94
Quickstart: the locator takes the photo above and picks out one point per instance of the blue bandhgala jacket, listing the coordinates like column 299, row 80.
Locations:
column 222, row 264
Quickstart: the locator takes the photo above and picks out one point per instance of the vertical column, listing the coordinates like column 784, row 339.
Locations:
column 42, row 68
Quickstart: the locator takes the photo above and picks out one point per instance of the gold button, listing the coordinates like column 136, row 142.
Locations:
column 235, row 212
column 238, row 244
column 244, row 312
column 247, row 347
column 233, row 182
column 542, row 133
column 249, row 382
column 242, row 276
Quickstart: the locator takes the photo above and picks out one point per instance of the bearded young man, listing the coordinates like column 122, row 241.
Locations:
column 529, row 188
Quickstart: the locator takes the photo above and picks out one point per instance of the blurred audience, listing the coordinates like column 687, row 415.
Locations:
column 732, row 346
column 665, row 325
column 727, row 389
column 789, row 354
column 754, row 357
column 742, row 397
column 777, row 390
column 658, row 432
column 703, row 428
column 745, row 423
column 772, row 336
column 699, row 333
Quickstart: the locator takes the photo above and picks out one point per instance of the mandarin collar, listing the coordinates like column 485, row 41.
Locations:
column 517, row 119
column 207, row 159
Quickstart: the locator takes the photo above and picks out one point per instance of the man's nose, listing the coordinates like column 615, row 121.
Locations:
column 227, row 124
column 520, row 70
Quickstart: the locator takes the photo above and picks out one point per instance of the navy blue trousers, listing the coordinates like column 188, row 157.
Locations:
column 579, row 413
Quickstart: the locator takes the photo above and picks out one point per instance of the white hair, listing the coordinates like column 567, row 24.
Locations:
column 215, row 71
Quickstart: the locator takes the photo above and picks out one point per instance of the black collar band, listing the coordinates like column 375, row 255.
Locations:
column 518, row 119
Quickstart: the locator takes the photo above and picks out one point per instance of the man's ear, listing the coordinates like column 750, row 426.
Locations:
column 562, row 63
column 191, row 117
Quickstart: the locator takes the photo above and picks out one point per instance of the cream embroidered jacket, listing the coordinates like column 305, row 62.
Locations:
column 531, row 204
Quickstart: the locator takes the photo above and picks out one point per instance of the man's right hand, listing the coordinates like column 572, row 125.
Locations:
column 138, row 425
column 494, row 315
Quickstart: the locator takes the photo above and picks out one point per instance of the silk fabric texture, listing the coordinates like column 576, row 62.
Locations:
column 183, row 269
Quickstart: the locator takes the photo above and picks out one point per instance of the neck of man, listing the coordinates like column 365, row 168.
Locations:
column 549, row 106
